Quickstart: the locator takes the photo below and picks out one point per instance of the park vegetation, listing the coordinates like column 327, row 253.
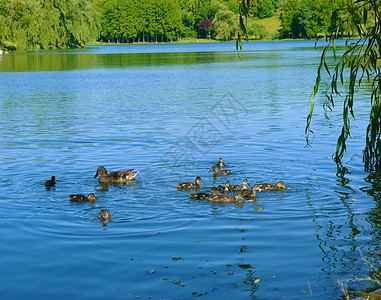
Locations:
column 44, row 24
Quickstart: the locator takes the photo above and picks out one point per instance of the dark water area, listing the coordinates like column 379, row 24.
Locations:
column 170, row 111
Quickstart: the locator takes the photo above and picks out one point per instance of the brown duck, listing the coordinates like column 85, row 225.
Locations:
column 82, row 198
column 225, row 198
column 104, row 215
column 244, row 185
column 190, row 185
column 117, row 176
column 200, row 196
column 221, row 172
column 271, row 187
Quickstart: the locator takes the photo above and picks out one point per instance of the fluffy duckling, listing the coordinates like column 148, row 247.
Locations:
column 225, row 198
column 220, row 163
column 117, row 176
column 221, row 172
column 51, row 182
column 190, row 185
column 244, row 185
column 82, row 198
column 104, row 215
column 224, row 188
column 200, row 196
column 250, row 193
column 271, row 187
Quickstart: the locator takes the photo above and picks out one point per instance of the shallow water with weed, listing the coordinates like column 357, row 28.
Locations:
column 170, row 111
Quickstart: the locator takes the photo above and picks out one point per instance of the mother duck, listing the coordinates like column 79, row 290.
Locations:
column 117, row 176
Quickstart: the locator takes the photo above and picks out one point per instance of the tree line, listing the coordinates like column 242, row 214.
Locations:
column 73, row 23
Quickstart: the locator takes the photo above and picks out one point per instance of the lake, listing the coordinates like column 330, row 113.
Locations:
column 170, row 111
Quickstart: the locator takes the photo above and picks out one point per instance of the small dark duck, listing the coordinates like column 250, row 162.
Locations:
column 82, row 198
column 221, row 172
column 271, row 187
column 117, row 176
column 190, row 185
column 51, row 182
column 220, row 163
column 224, row 188
column 201, row 196
column 225, row 198
column 104, row 215
column 244, row 185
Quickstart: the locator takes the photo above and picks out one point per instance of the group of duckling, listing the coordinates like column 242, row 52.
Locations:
column 105, row 177
column 224, row 190
column 218, row 194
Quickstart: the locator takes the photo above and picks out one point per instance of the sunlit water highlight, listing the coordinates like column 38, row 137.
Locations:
column 171, row 111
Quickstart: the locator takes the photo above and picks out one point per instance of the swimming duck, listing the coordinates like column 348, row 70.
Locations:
column 250, row 193
column 221, row 172
column 225, row 198
column 51, row 182
column 117, row 176
column 200, row 196
column 268, row 186
column 190, row 185
column 82, row 198
column 220, row 163
column 104, row 215
column 224, row 188
column 244, row 185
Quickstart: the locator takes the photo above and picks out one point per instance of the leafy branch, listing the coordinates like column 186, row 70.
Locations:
column 362, row 60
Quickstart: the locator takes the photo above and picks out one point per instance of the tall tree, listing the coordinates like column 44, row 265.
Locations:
column 290, row 18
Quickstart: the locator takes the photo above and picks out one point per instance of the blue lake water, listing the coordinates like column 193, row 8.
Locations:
column 170, row 111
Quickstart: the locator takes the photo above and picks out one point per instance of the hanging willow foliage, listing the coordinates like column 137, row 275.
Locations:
column 362, row 61
column 45, row 24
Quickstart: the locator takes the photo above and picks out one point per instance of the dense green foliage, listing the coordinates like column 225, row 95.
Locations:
column 310, row 18
column 164, row 20
column 46, row 23
column 69, row 23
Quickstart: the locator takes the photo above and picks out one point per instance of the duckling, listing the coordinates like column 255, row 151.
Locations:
column 220, row 163
column 190, row 185
column 51, row 182
column 225, row 198
column 82, row 198
column 271, row 187
column 246, row 193
column 104, row 215
column 224, row 188
column 200, row 196
column 221, row 172
column 117, row 176
column 244, row 185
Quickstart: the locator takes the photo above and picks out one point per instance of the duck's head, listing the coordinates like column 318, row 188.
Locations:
column 100, row 171
column 227, row 183
column 53, row 178
column 246, row 182
column 215, row 191
column 281, row 185
column 198, row 180
column 239, row 196
column 213, row 169
column 91, row 197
